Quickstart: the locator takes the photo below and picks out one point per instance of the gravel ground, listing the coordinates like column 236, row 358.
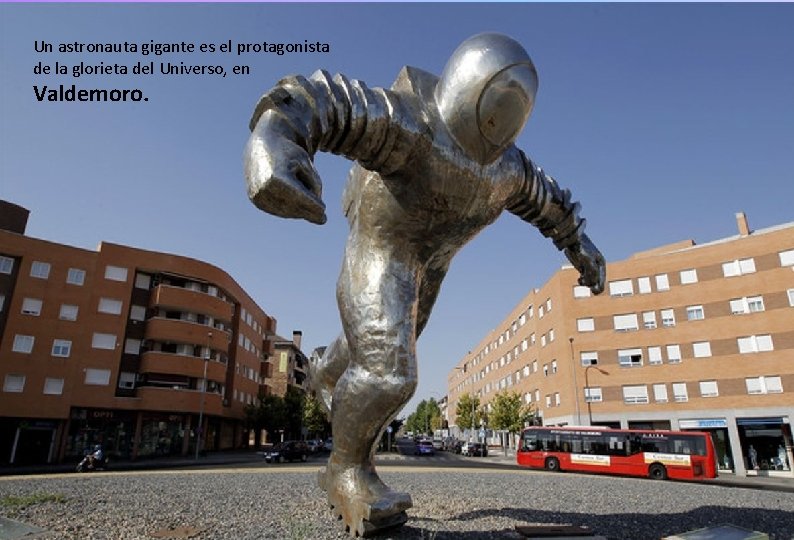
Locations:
column 472, row 505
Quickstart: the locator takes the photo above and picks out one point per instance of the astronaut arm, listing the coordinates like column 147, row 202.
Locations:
column 540, row 201
column 300, row 117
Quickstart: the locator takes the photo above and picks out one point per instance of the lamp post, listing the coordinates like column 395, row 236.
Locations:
column 587, row 386
column 575, row 385
column 200, row 430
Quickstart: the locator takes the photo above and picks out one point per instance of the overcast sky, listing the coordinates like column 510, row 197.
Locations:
column 664, row 120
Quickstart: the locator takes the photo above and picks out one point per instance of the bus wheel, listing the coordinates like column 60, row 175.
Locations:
column 657, row 472
column 552, row 464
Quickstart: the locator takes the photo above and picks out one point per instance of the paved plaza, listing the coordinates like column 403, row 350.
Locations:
column 283, row 502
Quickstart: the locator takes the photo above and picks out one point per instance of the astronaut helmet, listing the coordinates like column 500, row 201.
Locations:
column 486, row 93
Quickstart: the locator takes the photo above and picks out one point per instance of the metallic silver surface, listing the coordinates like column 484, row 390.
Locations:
column 434, row 164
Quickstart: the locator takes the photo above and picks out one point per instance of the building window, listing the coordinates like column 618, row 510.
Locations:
column 133, row 346
column 593, row 395
column 14, row 383
column 556, row 399
column 701, row 349
column 522, row 320
column 537, row 395
column 115, row 273
column 545, row 370
column 75, row 276
column 660, row 393
column 649, row 320
column 752, row 344
column 585, row 325
column 764, row 385
column 142, row 281
column 709, row 389
column 534, row 366
column 689, row 276
column 68, row 312
column 553, row 367
column 551, row 335
column 61, row 347
column 53, row 387
column 623, row 287
column 662, row 282
column 786, row 258
column 668, row 318
column 548, row 401
column 137, row 313
column 738, row 267
column 40, row 270
column 654, row 355
column 695, row 313
column 630, row 357
column 532, row 338
column 589, row 358
column 679, row 392
column 543, row 340
column 748, row 304
column 548, row 305
column 6, row 265
column 625, row 323
column 23, row 344
column 127, row 380
column 31, row 306
column 110, row 305
column 673, row 354
column 97, row 377
column 644, row 284
column 103, row 341
column 579, row 291
column 790, row 298
column 635, row 394
column 541, row 311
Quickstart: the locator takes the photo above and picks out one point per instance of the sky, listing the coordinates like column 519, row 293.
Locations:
column 664, row 120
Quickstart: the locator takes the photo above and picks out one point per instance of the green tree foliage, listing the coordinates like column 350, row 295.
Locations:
column 468, row 405
column 314, row 417
column 426, row 418
column 509, row 412
column 268, row 413
column 294, row 400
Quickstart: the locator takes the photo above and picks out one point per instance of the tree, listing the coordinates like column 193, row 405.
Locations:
column 510, row 413
column 268, row 413
column 294, row 400
column 468, row 405
column 426, row 418
column 314, row 417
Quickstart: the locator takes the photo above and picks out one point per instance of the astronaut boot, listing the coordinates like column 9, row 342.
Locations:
column 360, row 499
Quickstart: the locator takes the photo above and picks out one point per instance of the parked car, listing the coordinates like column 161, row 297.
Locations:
column 472, row 449
column 315, row 445
column 288, row 451
column 424, row 448
column 329, row 444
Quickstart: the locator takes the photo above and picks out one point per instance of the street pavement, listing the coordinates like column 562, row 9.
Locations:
column 496, row 459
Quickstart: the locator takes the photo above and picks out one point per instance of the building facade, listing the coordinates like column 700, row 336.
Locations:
column 686, row 336
column 287, row 366
column 122, row 347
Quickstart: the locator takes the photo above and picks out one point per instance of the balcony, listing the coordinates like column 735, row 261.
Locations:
column 177, row 364
column 175, row 330
column 180, row 299
column 174, row 400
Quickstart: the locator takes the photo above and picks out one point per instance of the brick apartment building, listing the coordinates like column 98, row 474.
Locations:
column 114, row 346
column 289, row 364
column 686, row 336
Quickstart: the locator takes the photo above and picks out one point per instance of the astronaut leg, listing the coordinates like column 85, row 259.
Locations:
column 325, row 371
column 377, row 299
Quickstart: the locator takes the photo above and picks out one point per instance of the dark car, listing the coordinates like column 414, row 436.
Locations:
column 424, row 448
column 472, row 449
column 288, row 451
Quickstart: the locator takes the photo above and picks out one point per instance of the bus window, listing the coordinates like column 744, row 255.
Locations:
column 687, row 444
column 617, row 446
column 530, row 442
column 655, row 445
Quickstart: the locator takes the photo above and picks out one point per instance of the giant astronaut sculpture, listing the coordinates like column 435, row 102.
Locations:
column 434, row 164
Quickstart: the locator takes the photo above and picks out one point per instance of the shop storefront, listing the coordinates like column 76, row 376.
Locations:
column 718, row 428
column 28, row 441
column 766, row 444
column 163, row 435
column 113, row 429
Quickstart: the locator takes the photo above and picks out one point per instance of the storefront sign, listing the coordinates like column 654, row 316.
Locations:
column 588, row 459
column 703, row 423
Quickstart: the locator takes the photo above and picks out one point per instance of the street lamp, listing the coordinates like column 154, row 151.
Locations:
column 587, row 386
column 200, row 430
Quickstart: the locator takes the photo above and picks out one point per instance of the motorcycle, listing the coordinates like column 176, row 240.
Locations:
column 90, row 463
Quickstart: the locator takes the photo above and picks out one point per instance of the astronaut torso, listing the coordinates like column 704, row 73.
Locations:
column 437, row 198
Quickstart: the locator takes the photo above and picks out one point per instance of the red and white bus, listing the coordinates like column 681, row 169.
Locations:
column 655, row 454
